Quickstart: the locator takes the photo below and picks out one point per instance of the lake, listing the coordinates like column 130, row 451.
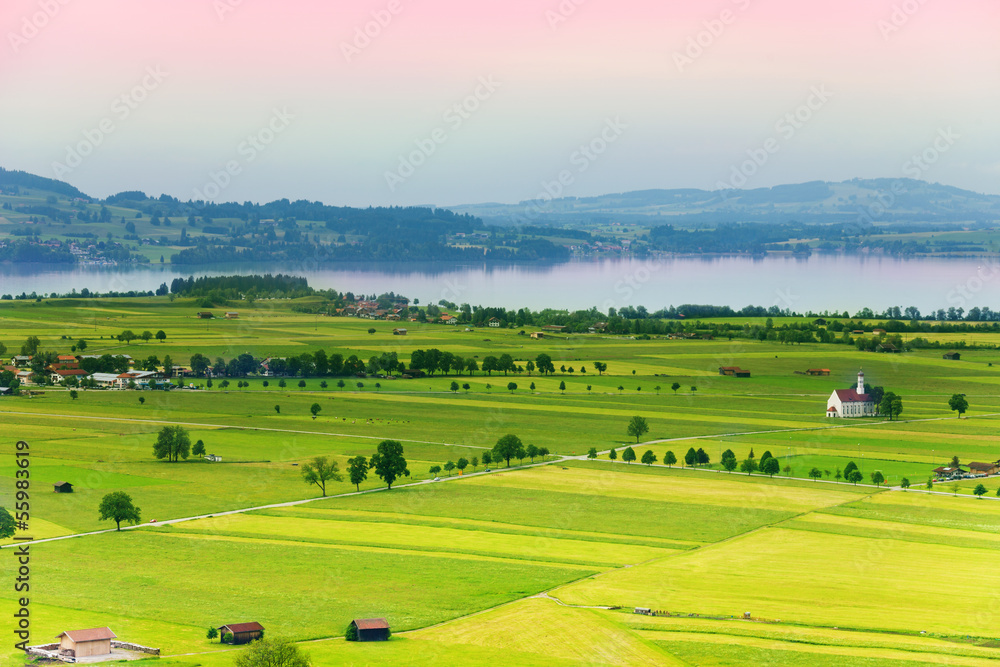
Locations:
column 819, row 282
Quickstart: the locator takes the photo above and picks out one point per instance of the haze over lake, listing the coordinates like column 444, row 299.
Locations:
column 816, row 283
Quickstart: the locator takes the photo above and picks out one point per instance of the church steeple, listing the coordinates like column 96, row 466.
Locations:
column 861, row 382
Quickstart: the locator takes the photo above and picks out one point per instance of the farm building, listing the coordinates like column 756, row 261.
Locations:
column 948, row 472
column 494, row 322
column 243, row 633
column 63, row 487
column 399, row 332
column 206, row 316
column 553, row 328
column 371, row 629
column 538, row 335
column 953, row 356
column 977, row 468
column 86, row 643
column 888, row 348
column 818, row 371
column 851, row 403
column 734, row 371
column 232, row 316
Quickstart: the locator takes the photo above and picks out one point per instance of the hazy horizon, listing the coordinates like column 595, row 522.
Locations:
column 165, row 98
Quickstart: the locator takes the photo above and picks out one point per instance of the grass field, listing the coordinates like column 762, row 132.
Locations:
column 502, row 568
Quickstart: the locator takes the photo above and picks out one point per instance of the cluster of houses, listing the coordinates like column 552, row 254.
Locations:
column 102, row 644
column 975, row 469
column 67, row 367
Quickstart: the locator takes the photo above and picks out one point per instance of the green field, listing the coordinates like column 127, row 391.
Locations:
column 514, row 566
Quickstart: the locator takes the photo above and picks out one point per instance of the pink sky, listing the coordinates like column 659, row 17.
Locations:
column 558, row 85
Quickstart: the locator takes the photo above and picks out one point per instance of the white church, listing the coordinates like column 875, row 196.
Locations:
column 851, row 403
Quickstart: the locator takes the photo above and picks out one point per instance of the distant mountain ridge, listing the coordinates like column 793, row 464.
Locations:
column 874, row 200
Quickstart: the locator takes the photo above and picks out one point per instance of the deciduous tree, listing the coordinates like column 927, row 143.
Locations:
column 357, row 470
column 117, row 506
column 321, row 470
column 637, row 427
column 506, row 447
column 172, row 443
column 648, row 457
column 628, row 455
column 388, row 463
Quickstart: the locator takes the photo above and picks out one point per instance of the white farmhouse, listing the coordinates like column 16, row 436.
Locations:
column 851, row 403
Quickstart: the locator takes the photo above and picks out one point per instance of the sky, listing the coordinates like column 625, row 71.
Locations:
column 447, row 102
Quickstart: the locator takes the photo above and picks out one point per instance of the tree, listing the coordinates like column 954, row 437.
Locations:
column 128, row 336
column 388, row 463
column 371, row 330
column 315, row 409
column 628, row 455
column 73, row 394
column 691, row 458
column 474, row 463
column 277, row 409
column 904, row 483
column 702, row 457
column 849, row 468
column 434, row 470
column 273, row 652
column 854, row 476
column 532, row 452
column 172, row 443
column 675, row 386
column 81, row 345
column 462, row 464
column 448, row 467
column 357, row 470
column 770, row 466
column 955, row 463
column 161, row 335
column 891, row 405
column 613, row 454
column 454, row 386
column 212, row 633
column 487, row 458
column 815, row 473
column 282, row 384
column 648, row 457
column 562, row 386
column 117, row 506
column 729, row 463
column 302, row 384
column 543, row 363
column 877, row 478
column 466, row 386
column 748, row 466
column 512, row 387
column 543, row 452
column 506, row 447
column 959, row 404
column 669, row 459
column 638, row 427
column 199, row 448
column 319, row 471
column 592, row 453
column 520, row 454
column 341, row 384
column 7, row 525
column 601, row 367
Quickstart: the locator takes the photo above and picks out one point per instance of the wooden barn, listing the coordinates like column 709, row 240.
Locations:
column 63, row 487
column 953, row 356
column 243, row 633
column 86, row 643
column 371, row 629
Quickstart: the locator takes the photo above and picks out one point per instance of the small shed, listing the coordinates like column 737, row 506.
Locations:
column 371, row 629
column 538, row 335
column 86, row 643
column 63, row 487
column 818, row 371
column 243, row 633
column 399, row 332
column 206, row 315
column 232, row 316
column 953, row 356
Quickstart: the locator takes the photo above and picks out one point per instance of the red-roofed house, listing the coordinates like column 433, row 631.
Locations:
column 851, row 403
column 242, row 633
